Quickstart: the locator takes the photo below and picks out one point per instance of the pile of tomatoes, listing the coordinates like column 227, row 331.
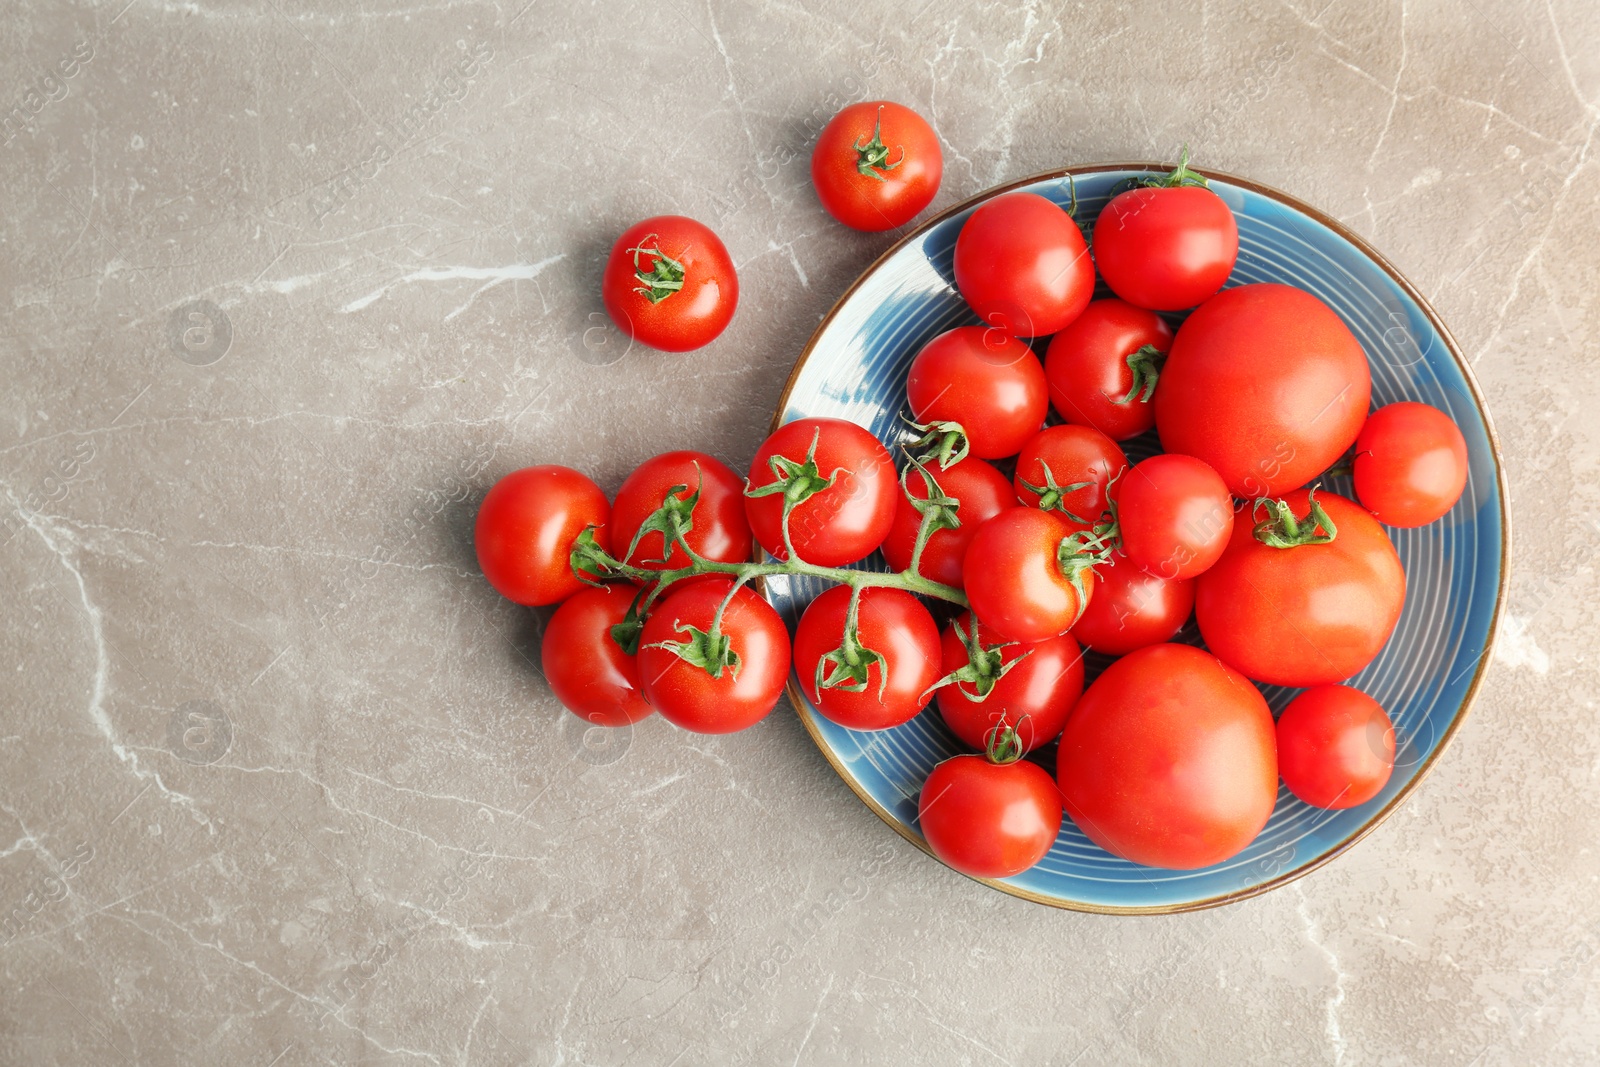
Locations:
column 1016, row 531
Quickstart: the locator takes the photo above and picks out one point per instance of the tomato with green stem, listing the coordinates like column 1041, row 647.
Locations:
column 990, row 816
column 1335, row 747
column 1168, row 243
column 867, row 657
column 989, row 684
column 705, row 504
column 1066, row 470
column 980, row 383
column 589, row 656
column 825, row 487
column 876, row 165
column 1029, row 574
column 1132, row 608
column 1174, row 515
column 965, row 494
column 527, row 526
column 1411, row 464
column 1102, row 369
column 670, row 283
column 1022, row 265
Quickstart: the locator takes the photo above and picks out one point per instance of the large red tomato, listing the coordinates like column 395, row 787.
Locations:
column 1411, row 464
column 981, row 493
column 884, row 677
column 1166, row 248
column 1169, row 759
column 1307, row 615
column 718, row 527
column 670, row 283
column 525, row 530
column 876, row 165
column 1021, row 581
column 1059, row 458
column 1022, row 263
column 587, row 669
column 1030, row 688
column 1103, row 368
column 836, row 525
column 1132, row 608
column 1265, row 383
column 989, row 382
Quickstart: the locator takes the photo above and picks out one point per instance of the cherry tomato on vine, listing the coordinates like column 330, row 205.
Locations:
column 1103, row 368
column 1310, row 614
column 986, row 380
column 1335, row 747
column 881, row 677
column 1065, row 470
column 713, row 687
column 831, row 526
column 670, row 283
column 1411, row 464
column 1023, row 581
column 1265, row 383
column 991, row 683
column 1022, row 264
column 718, row 529
column 1169, row 759
column 525, row 529
column 876, row 165
column 981, row 493
column 1175, row 515
column 990, row 816
column 1132, row 608
column 1169, row 245
column 586, row 667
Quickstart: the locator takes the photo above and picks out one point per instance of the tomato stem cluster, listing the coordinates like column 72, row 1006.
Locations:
column 1282, row 529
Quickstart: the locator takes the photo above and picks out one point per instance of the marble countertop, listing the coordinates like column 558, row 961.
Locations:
column 289, row 283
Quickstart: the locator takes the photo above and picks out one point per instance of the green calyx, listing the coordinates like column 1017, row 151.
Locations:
column 798, row 482
column 1282, row 529
column 589, row 562
column 1180, row 176
column 1076, row 554
column 935, row 503
column 1052, row 497
column 1145, row 365
column 711, row 651
column 626, row 633
column 944, row 443
column 872, row 157
column 665, row 275
column 1004, row 745
column 672, row 520
column 985, row 666
column 849, row 667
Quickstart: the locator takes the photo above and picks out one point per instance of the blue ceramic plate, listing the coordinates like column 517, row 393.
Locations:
column 855, row 368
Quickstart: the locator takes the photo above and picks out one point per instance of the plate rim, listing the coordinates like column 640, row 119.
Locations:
column 1501, row 487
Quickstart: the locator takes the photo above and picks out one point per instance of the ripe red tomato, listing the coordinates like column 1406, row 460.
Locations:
column 896, row 657
column 670, row 283
column 1166, row 248
column 989, row 382
column 1022, row 264
column 1060, row 457
column 1335, row 747
column 719, row 530
column 1132, row 608
column 982, row 493
column 1090, row 368
column 837, row 525
column 1017, row 583
column 1169, row 759
column 876, row 165
column 525, row 529
column 1265, row 383
column 1308, row 615
column 1411, row 464
column 587, row 670
column 1174, row 515
column 1039, row 684
column 688, row 694
column 988, row 819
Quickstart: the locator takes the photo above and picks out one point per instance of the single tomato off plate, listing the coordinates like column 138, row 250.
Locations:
column 855, row 368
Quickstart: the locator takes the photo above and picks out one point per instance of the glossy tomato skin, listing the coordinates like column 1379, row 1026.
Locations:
column 720, row 531
column 1411, row 464
column 983, row 493
column 1335, row 747
column 890, row 622
column 525, row 529
column 688, row 696
column 989, row 820
column 1014, row 582
column 1073, row 454
column 1022, row 265
column 689, row 318
column 1166, row 249
column 1265, row 383
column 844, row 522
column 988, row 381
column 1175, row 515
column 1033, row 698
column 1086, row 367
column 588, row 671
column 1132, row 608
column 899, row 192
column 1308, row 615
column 1169, row 759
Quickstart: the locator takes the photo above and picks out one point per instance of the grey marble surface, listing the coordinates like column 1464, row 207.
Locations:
column 288, row 283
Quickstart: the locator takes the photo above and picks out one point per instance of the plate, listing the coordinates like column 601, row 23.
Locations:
column 854, row 368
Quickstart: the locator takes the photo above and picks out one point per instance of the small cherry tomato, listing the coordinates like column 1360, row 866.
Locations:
column 586, row 667
column 1065, row 469
column 718, row 529
column 882, row 678
column 876, row 165
column 836, row 525
column 1335, row 747
column 981, row 493
column 707, row 689
column 993, row 684
column 1023, row 581
column 670, row 283
column 1175, row 515
column 1411, row 464
column 1132, row 608
column 986, row 380
column 990, row 816
column 1103, row 368
column 1166, row 247
column 525, row 529
column 1022, row 264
